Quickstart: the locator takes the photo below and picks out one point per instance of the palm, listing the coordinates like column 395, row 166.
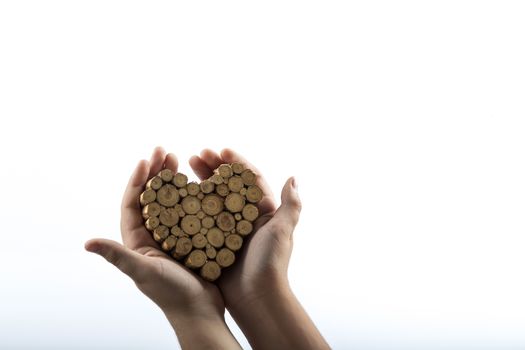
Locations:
column 256, row 266
column 163, row 278
column 258, row 260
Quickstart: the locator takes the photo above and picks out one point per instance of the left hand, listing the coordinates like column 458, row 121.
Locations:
column 180, row 293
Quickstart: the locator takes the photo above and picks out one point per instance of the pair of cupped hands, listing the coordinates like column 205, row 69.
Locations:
column 184, row 297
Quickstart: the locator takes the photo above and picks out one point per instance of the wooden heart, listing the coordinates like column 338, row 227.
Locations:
column 202, row 224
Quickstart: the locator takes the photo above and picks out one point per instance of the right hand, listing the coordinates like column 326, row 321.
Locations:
column 262, row 266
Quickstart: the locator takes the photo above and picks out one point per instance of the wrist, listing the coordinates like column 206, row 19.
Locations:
column 276, row 320
column 259, row 295
column 197, row 330
column 180, row 317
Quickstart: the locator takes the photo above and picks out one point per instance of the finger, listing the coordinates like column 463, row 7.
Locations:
column 157, row 161
column 131, row 225
column 171, row 162
column 200, row 168
column 135, row 186
column 212, row 159
column 288, row 213
column 267, row 203
column 126, row 260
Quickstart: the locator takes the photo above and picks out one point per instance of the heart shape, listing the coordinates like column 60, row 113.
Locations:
column 202, row 224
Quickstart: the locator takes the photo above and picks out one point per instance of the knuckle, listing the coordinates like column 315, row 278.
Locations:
column 281, row 227
column 296, row 204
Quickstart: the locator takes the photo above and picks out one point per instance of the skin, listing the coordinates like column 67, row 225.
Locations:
column 255, row 289
column 194, row 308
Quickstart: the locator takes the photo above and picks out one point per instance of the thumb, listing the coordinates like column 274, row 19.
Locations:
column 125, row 259
column 288, row 213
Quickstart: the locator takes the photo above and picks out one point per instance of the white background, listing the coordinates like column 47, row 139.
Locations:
column 403, row 123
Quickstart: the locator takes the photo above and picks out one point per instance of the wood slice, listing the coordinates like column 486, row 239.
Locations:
column 211, row 271
column 225, row 257
column 235, row 183
column 225, row 221
column 169, row 243
column 152, row 223
column 254, row 194
column 183, row 192
column 168, row 217
column 150, row 210
column 147, row 196
column 195, row 259
column 222, row 190
column 190, row 224
column 168, row 195
column 177, row 231
column 211, row 252
column 212, row 204
column 180, row 180
column 191, row 205
column 237, row 168
column 225, row 170
column 250, row 212
column 234, row 202
column 208, row 222
column 215, row 237
column 207, row 186
column 244, row 227
column 154, row 183
column 199, row 241
column 193, row 188
column 160, row 233
column 217, row 179
column 166, row 175
column 233, row 242
column 248, row 177
column 183, row 247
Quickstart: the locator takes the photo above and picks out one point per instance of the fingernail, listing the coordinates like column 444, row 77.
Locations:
column 294, row 184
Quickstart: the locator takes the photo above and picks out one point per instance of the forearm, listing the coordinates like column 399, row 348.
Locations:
column 277, row 320
column 202, row 332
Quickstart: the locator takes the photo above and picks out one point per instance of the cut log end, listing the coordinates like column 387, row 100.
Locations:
column 212, row 204
column 250, row 212
column 225, row 170
column 211, row 271
column 254, row 194
column 166, row 175
column 196, row 259
column 234, row 202
column 190, row 224
column 191, row 205
column 237, row 168
column 225, row 221
column 180, row 180
column 168, row 195
column 148, row 196
column 154, row 183
column 215, row 237
column 233, row 242
column 225, row 257
column 248, row 177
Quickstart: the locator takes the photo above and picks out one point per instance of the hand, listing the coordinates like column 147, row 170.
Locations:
column 193, row 306
column 255, row 288
column 262, row 266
